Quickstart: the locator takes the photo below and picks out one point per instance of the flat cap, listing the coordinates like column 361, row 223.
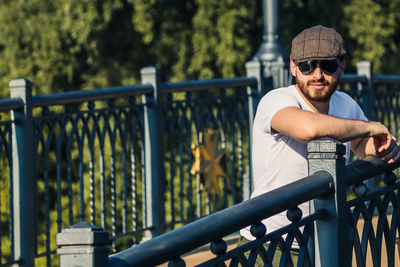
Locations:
column 318, row 43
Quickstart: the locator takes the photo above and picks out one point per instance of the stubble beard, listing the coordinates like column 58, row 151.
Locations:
column 317, row 95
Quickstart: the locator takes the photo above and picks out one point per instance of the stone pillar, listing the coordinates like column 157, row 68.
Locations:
column 24, row 183
column 154, row 198
column 331, row 239
column 83, row 244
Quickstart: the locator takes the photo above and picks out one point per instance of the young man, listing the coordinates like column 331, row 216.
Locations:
column 287, row 118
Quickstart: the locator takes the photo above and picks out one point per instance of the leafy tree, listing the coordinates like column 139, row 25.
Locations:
column 65, row 45
column 374, row 29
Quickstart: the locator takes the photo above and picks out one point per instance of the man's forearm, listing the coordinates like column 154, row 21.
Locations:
column 305, row 126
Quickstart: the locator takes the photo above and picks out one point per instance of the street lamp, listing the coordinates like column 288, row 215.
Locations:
column 272, row 54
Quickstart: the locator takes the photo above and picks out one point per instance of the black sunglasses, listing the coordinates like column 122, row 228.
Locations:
column 327, row 66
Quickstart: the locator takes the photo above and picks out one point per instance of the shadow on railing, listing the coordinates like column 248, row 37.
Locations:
column 326, row 237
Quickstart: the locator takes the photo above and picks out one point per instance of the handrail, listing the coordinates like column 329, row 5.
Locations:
column 11, row 103
column 376, row 79
column 112, row 92
column 395, row 79
column 353, row 78
column 90, row 95
column 368, row 167
column 217, row 225
column 196, row 85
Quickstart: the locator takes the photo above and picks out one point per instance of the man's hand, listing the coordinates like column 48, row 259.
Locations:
column 385, row 144
column 390, row 152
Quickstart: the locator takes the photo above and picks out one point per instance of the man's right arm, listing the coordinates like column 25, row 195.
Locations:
column 305, row 126
column 368, row 138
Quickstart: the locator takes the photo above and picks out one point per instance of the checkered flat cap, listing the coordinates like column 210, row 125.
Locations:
column 317, row 43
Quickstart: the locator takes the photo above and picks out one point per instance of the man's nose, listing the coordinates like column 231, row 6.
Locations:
column 317, row 72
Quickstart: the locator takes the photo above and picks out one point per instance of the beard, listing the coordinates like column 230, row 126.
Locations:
column 323, row 95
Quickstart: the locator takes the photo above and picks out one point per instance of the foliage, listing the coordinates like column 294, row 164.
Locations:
column 70, row 44
column 64, row 45
column 374, row 28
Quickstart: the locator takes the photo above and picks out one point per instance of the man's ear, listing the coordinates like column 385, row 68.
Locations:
column 342, row 67
column 293, row 68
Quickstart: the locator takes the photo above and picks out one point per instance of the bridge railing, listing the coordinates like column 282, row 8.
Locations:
column 337, row 232
column 94, row 155
column 116, row 157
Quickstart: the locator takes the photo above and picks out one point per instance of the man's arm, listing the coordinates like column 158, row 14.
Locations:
column 366, row 146
column 370, row 138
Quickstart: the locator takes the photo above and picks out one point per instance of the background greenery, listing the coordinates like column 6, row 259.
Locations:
column 65, row 45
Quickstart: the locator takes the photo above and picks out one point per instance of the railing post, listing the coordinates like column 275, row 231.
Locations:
column 331, row 240
column 22, row 170
column 154, row 153
column 254, row 69
column 367, row 90
column 83, row 244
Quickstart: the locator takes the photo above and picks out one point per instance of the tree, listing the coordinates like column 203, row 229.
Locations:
column 65, row 45
column 374, row 29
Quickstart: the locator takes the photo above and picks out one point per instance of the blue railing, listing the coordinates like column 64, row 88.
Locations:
column 334, row 217
column 214, row 227
column 99, row 156
column 120, row 157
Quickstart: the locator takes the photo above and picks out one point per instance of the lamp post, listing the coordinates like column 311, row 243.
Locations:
column 272, row 54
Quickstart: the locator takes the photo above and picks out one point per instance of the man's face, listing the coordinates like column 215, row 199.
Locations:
column 317, row 86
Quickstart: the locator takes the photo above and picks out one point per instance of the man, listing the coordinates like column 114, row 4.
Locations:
column 287, row 118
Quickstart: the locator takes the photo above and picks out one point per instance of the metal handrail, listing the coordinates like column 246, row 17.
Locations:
column 90, row 95
column 394, row 79
column 196, row 85
column 131, row 90
column 217, row 225
column 368, row 167
column 10, row 104
column 353, row 78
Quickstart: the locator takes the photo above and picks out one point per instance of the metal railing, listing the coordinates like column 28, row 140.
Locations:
column 112, row 157
column 120, row 157
column 327, row 237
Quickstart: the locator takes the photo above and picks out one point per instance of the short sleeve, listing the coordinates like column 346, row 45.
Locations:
column 270, row 104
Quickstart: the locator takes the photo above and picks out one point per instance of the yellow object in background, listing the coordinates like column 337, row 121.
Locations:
column 207, row 160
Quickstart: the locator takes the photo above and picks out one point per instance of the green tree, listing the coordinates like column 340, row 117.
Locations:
column 373, row 27
column 65, row 45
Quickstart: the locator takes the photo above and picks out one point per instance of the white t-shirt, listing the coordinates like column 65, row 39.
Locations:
column 278, row 159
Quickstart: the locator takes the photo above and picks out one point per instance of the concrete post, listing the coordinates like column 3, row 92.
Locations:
column 154, row 153
column 22, row 170
column 367, row 90
column 253, row 69
column 331, row 240
column 83, row 245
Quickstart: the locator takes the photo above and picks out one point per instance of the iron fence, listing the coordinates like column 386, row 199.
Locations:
column 121, row 157
column 327, row 237
column 99, row 156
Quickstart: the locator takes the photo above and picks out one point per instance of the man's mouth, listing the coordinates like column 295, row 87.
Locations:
column 318, row 86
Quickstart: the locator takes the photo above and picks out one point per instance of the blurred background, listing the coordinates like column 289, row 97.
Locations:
column 64, row 45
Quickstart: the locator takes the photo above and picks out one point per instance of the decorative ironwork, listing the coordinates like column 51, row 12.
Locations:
column 380, row 207
column 89, row 152
column 226, row 112
column 100, row 150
